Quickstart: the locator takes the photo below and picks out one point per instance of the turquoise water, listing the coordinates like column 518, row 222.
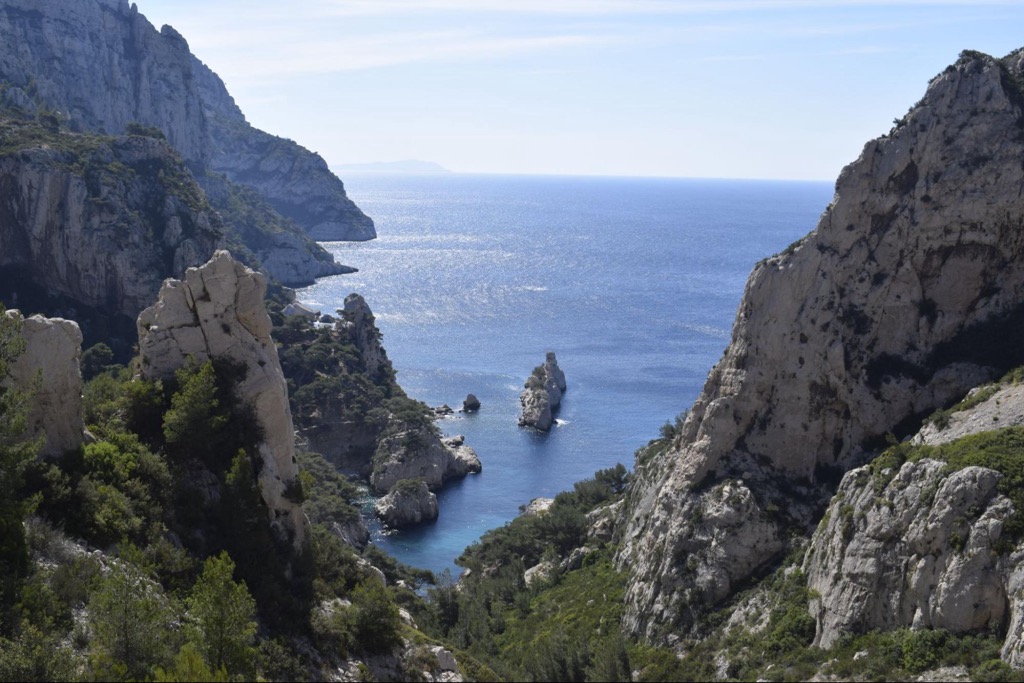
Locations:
column 634, row 283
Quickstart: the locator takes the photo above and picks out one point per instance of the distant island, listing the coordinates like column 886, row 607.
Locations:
column 406, row 166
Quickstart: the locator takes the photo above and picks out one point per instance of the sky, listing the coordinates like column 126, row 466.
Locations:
column 775, row 89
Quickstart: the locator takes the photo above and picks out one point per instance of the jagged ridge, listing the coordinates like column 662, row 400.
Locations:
column 905, row 295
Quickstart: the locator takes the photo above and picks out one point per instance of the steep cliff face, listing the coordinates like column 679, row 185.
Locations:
column 905, row 295
column 217, row 312
column 104, row 65
column 912, row 546
column 100, row 220
column 928, row 535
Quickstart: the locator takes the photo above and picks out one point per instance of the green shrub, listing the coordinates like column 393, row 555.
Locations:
column 376, row 619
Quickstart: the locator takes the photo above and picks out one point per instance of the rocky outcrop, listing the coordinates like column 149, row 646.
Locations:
column 470, row 404
column 104, row 66
column 536, row 506
column 48, row 370
column 358, row 323
column 380, row 433
column 217, row 312
column 917, row 546
column 408, row 502
column 354, row 532
column 988, row 407
column 99, row 220
column 418, row 453
column 905, row 295
column 924, row 544
column 542, row 394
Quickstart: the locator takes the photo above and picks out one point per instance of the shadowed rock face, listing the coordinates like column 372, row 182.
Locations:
column 104, row 65
column 217, row 312
column 100, row 220
column 905, row 295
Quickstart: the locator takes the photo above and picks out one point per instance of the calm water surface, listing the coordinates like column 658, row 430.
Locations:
column 634, row 283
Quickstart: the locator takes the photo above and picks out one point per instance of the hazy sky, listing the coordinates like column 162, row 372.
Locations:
column 698, row 88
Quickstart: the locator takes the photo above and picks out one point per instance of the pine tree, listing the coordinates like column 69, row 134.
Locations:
column 223, row 614
column 131, row 623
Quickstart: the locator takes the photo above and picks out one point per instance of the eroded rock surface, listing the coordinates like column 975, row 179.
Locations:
column 358, row 321
column 914, row 547
column 102, row 221
column 904, row 296
column 217, row 312
column 542, row 394
column 48, row 370
column 408, row 502
column 420, row 454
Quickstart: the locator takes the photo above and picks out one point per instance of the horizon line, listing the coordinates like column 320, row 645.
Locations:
column 341, row 170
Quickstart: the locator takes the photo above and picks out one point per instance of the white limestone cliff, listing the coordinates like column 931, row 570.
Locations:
column 407, row 504
column 919, row 549
column 901, row 299
column 542, row 394
column 217, row 312
column 48, row 370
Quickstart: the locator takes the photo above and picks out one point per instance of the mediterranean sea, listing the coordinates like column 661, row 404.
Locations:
column 633, row 282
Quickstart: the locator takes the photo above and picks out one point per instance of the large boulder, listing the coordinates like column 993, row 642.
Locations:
column 418, row 453
column 48, row 370
column 408, row 502
column 217, row 312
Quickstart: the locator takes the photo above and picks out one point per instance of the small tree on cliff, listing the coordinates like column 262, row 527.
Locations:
column 224, row 618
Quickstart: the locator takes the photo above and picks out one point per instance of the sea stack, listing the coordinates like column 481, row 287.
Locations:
column 542, row 394
column 471, row 404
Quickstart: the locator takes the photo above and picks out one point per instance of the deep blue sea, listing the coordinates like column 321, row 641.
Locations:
column 634, row 283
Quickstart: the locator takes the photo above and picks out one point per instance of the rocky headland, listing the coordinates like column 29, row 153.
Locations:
column 542, row 394
column 99, row 66
column 905, row 296
column 350, row 408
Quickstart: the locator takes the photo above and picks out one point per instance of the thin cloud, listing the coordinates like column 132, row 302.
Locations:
column 609, row 7
column 273, row 60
